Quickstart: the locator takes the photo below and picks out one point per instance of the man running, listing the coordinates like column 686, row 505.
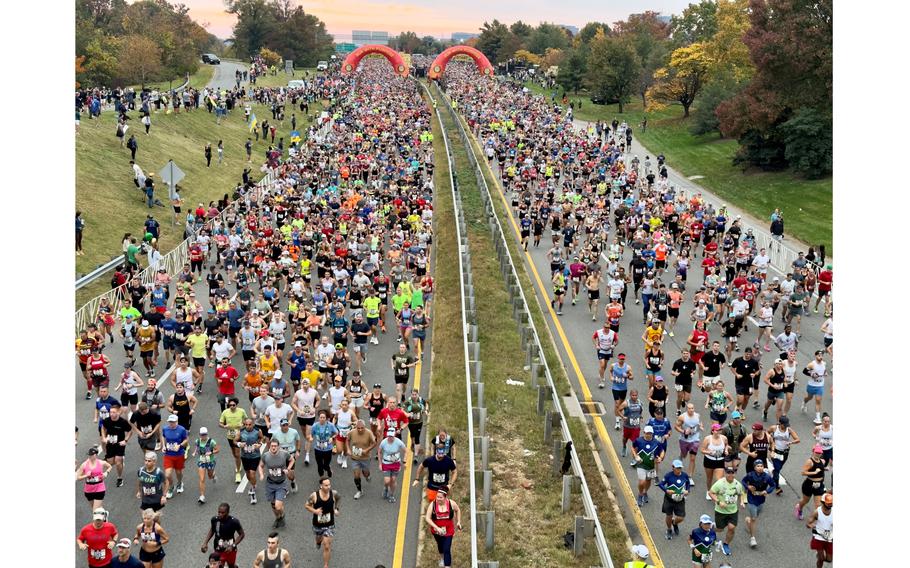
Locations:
column 821, row 522
column 392, row 458
column 274, row 468
column 758, row 484
column 675, row 485
column 727, row 493
column 273, row 556
column 323, row 503
column 228, row 535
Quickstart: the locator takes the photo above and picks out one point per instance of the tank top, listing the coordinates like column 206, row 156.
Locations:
column 654, row 361
column 691, row 423
column 149, row 535
column 715, row 449
column 820, row 369
column 824, row 526
column 779, row 378
column 184, row 377
column 336, row 395
column 660, row 395
column 272, row 562
column 718, row 402
column 781, row 439
column 619, row 375
column 96, row 367
column 632, row 414
column 789, row 372
column 327, row 518
column 760, row 447
column 181, row 406
column 375, row 405
column 825, row 438
column 816, row 471
column 344, row 422
column 442, row 517
column 94, row 483
column 356, row 388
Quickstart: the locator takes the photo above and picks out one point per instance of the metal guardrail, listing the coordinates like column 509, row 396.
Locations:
column 464, row 259
column 589, row 507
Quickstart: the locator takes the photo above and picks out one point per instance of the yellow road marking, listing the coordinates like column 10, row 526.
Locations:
column 598, row 421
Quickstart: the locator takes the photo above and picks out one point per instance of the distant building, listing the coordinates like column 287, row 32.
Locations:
column 664, row 19
column 461, row 37
column 363, row 37
column 571, row 29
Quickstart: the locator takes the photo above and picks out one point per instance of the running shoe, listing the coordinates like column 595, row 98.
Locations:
column 707, row 495
column 237, row 477
column 275, row 524
column 755, row 404
column 252, row 498
column 671, row 334
column 180, row 487
column 669, row 534
column 391, row 499
column 764, row 416
column 88, row 395
column 357, row 495
column 306, row 460
column 798, row 512
column 615, row 425
column 752, row 542
column 593, row 317
column 802, row 407
column 281, row 521
column 170, row 493
column 201, row 499
column 623, row 453
column 725, row 547
column 645, row 497
column 294, row 487
column 573, row 302
column 601, row 384
column 818, row 418
column 675, row 529
column 119, row 482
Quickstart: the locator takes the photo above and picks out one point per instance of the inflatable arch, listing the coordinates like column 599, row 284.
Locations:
column 438, row 66
column 353, row 59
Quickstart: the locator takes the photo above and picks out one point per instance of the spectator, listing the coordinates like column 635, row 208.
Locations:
column 80, row 225
column 133, row 146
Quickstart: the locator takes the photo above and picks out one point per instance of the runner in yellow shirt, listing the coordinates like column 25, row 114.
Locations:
column 197, row 342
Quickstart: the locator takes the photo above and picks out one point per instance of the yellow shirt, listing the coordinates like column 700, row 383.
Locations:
column 197, row 344
column 268, row 366
column 654, row 334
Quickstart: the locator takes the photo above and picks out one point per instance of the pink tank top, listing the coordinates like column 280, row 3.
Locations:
column 94, row 483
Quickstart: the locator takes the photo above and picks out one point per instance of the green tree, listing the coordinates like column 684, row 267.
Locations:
column 571, row 76
column 256, row 23
column 521, row 30
column 497, row 42
column 809, row 146
column 698, row 22
column 406, row 42
column 101, row 61
column 587, row 33
column 648, row 35
column 303, row 39
column 613, row 68
column 546, row 36
column 140, row 59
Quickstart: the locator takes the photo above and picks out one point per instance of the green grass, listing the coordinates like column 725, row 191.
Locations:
column 282, row 78
column 613, row 526
column 807, row 204
column 202, row 76
column 112, row 205
column 529, row 521
column 447, row 382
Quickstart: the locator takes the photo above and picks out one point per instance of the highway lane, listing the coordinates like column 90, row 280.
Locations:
column 224, row 74
column 782, row 540
column 366, row 529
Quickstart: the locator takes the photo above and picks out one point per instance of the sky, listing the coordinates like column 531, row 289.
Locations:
column 441, row 18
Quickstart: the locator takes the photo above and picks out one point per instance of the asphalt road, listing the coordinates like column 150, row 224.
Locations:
column 782, row 540
column 365, row 531
column 224, row 74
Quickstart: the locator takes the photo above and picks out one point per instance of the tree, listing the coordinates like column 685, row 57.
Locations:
column 256, row 22
column 681, row 80
column 587, row 33
column 497, row 42
column 790, row 44
column 571, row 76
column 528, row 57
column 727, row 54
column 552, row 58
column 613, row 68
column 80, row 70
column 649, row 36
column 406, row 42
column 303, row 38
column 809, row 147
column 548, row 35
column 697, row 23
column 269, row 57
column 521, row 30
column 140, row 59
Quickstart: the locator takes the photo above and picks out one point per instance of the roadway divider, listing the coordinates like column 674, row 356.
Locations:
column 479, row 440
column 556, row 429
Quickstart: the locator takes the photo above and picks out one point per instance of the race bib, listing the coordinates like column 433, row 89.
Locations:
column 172, row 446
column 149, row 490
column 730, row 498
column 93, row 479
column 678, row 388
column 392, row 458
column 816, row 484
column 356, row 451
column 98, row 554
column 205, row 458
column 232, row 434
column 677, row 497
column 276, row 472
column 634, row 422
column 322, row 444
column 439, row 478
column 112, row 439
column 652, row 474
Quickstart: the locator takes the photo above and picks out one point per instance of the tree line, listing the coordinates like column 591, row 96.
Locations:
column 758, row 71
column 120, row 44
column 280, row 27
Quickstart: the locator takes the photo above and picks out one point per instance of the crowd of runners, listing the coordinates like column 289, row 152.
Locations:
column 626, row 246
column 303, row 276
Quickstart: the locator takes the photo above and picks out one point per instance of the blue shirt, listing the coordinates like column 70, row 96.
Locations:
column 173, row 437
column 323, row 434
column 159, row 297
column 298, row 364
column 763, row 482
column 661, row 428
column 131, row 562
column 672, row 483
column 703, row 539
column 235, row 316
column 104, row 408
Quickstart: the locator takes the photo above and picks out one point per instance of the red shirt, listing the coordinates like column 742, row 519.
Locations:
column 226, row 377
column 825, row 278
column 97, row 539
column 708, row 263
column 396, row 419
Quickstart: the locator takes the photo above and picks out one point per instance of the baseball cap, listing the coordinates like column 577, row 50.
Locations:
column 818, row 449
column 390, row 432
column 758, row 462
column 283, row 422
column 640, row 550
column 278, row 374
column 758, row 426
column 659, row 379
column 93, row 451
column 729, row 470
column 99, row 514
column 716, row 427
column 203, row 431
column 124, row 543
column 145, row 323
column 649, row 429
column 677, row 463
column 377, row 385
column 706, row 519
column 339, row 346
column 172, row 418
column 736, row 414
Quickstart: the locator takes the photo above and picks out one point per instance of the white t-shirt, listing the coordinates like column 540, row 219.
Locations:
column 306, row 401
column 275, row 415
column 222, row 350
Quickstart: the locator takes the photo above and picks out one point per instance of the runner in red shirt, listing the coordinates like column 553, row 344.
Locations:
column 225, row 375
column 393, row 417
column 98, row 539
column 825, row 281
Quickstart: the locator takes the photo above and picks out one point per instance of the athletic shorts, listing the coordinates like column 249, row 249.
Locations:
column 324, row 531
column 276, row 492
column 306, row 421
column 754, row 510
column 630, row 433
column 815, row 391
column 644, row 474
column 813, row 488
column 721, row 520
column 774, row 394
column 198, row 361
column 168, row 343
column 174, row 462
column 373, row 322
column 743, row 391
column 361, row 465
column 229, row 557
column 604, row 355
column 711, row 463
column 388, row 471
column 248, row 355
column 619, row 394
column 96, row 496
column 688, row 448
column 827, row 547
column 828, row 342
column 153, row 557
column 790, row 388
column 361, row 348
column 673, row 312
column 674, row 508
column 403, row 380
column 127, row 399
column 147, row 354
column 593, row 294
column 250, row 464
column 683, row 387
column 114, row 451
column 414, row 430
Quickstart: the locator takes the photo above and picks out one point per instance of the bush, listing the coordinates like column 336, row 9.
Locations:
column 704, row 114
column 808, row 143
column 765, row 151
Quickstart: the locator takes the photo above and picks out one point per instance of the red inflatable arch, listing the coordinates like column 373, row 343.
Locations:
column 353, row 59
column 439, row 64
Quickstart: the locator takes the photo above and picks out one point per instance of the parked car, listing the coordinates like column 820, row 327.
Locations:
column 322, row 66
column 211, row 58
column 295, row 83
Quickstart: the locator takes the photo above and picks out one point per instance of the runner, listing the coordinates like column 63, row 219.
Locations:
column 416, row 408
column 232, row 419
column 93, row 471
column 362, row 443
column 323, row 503
column 251, row 441
column 304, row 404
column 631, row 411
column 443, row 516
column 605, row 340
column 814, row 483
column 727, row 493
column 824, row 436
column 392, row 457
column 289, row 441
column 758, row 484
column 815, row 387
column 228, row 535
column 115, row 435
column 175, row 441
column 822, row 524
column 402, row 362
column 273, row 556
column 675, row 485
column 151, row 538
column 274, row 467
column 441, row 472
column 714, row 448
column 648, row 453
column 620, row 375
column 97, row 539
column 689, row 425
column 152, row 485
column 701, row 541
column 205, row 448
column 324, row 433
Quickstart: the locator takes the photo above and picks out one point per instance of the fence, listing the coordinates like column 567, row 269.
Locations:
column 589, row 524
column 472, row 363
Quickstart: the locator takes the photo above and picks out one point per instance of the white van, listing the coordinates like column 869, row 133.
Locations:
column 295, row 84
column 322, row 66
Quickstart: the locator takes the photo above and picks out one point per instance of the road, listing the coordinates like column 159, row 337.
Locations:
column 224, row 74
column 367, row 530
column 783, row 541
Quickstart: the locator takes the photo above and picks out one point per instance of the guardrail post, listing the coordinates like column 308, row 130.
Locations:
column 484, row 452
column 579, row 535
column 478, row 366
column 535, row 372
column 480, row 417
column 557, row 455
column 487, row 488
column 479, row 389
column 489, row 531
column 542, row 392
column 567, row 494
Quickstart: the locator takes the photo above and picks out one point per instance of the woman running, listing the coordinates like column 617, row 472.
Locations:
column 713, row 447
column 443, row 517
column 93, row 471
column 205, row 448
column 718, row 402
column 151, row 538
column 344, row 421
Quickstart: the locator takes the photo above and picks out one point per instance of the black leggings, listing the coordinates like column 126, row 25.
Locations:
column 444, row 545
column 324, row 462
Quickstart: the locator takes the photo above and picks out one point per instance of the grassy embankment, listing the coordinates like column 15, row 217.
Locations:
column 112, row 205
column 807, row 204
